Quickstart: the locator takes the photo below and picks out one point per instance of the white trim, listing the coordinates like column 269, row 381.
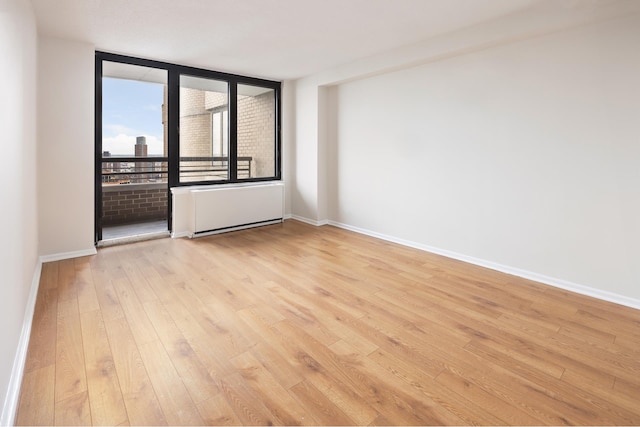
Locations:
column 10, row 407
column 236, row 228
column 547, row 280
column 132, row 239
column 287, row 216
column 67, row 255
column 310, row 221
column 180, row 234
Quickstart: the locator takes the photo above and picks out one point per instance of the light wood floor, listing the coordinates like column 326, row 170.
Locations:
column 293, row 324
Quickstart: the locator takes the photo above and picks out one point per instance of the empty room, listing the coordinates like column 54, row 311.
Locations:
column 338, row 212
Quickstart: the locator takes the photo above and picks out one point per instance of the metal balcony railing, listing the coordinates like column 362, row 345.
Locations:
column 139, row 170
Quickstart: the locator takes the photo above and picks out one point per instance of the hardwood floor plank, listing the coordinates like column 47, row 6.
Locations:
column 297, row 309
column 203, row 344
column 172, row 395
column 141, row 328
column 274, row 397
column 42, row 344
column 142, row 288
column 73, row 411
column 107, row 296
column 272, row 356
column 324, row 410
column 518, row 361
column 296, row 324
column 323, row 373
column 139, row 396
column 66, row 280
column 511, row 414
column 625, row 394
column 105, row 396
column 628, row 329
column 217, row 412
column 71, row 377
column 586, row 334
column 68, row 308
column 391, row 396
column 37, row 403
column 220, row 326
column 200, row 385
column 87, row 296
column 559, row 404
column 49, row 276
column 245, row 403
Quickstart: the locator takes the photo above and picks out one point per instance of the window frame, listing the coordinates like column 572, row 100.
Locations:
column 174, row 71
column 222, row 147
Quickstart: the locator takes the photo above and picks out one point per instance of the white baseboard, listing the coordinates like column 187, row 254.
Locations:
column 10, row 407
column 68, row 255
column 287, row 216
column 310, row 221
column 180, row 234
column 541, row 278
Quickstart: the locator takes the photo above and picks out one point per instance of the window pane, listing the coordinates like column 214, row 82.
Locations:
column 134, row 170
column 256, row 132
column 133, row 123
column 204, row 135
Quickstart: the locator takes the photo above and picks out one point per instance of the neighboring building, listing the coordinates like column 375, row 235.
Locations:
column 204, row 133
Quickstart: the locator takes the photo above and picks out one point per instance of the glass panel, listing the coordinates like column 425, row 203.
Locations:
column 256, row 132
column 133, row 123
column 134, row 142
column 204, row 133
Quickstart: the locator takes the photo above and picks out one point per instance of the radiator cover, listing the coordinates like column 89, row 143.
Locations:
column 215, row 210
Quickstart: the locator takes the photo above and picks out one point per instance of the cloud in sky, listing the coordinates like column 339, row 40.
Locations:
column 116, row 129
column 122, row 144
column 131, row 108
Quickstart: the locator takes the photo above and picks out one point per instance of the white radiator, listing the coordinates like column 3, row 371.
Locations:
column 215, row 210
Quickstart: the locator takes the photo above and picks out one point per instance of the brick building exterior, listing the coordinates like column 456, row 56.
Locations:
column 122, row 204
column 256, row 117
column 256, row 136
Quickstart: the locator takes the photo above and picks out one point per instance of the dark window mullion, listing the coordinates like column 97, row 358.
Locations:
column 98, row 151
column 278, row 124
column 173, row 118
column 233, row 131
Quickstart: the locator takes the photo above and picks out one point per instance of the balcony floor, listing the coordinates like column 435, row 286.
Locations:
column 134, row 232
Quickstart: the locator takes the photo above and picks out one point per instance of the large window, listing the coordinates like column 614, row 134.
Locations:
column 166, row 125
column 218, row 128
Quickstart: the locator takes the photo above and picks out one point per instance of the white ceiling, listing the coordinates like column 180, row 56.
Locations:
column 278, row 39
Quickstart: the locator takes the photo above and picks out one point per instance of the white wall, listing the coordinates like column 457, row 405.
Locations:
column 309, row 190
column 65, row 146
column 18, row 246
column 287, row 135
column 525, row 155
column 304, row 194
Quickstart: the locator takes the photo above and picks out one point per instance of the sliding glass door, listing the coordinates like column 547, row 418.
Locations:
column 133, row 151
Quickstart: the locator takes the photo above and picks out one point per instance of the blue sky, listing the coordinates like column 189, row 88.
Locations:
column 129, row 109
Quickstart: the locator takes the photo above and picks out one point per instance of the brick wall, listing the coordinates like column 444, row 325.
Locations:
column 256, row 128
column 256, row 132
column 132, row 203
column 195, row 129
column 214, row 100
